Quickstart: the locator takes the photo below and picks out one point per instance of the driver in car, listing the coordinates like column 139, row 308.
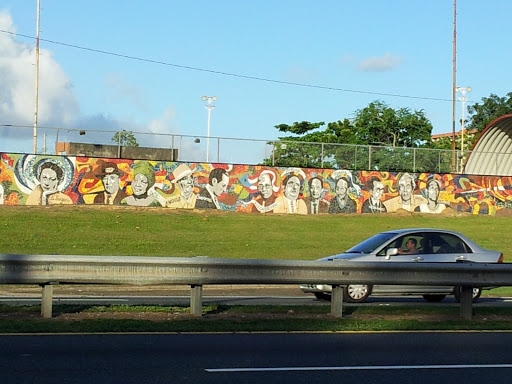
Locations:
column 410, row 247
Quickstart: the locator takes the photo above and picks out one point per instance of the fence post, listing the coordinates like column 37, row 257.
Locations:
column 337, row 301
column 466, row 302
column 196, row 300
column 47, row 300
column 322, row 165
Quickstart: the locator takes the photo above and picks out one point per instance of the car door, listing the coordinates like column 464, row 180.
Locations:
column 447, row 247
column 425, row 254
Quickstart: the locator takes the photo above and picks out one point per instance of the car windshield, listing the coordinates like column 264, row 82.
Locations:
column 372, row 243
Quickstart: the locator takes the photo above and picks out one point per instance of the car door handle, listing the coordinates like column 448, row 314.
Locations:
column 417, row 258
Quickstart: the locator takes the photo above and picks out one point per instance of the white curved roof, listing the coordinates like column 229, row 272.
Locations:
column 492, row 151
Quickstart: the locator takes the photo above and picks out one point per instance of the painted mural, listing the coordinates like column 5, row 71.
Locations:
column 55, row 180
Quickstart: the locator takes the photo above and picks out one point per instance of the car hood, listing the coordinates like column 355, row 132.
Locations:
column 344, row 256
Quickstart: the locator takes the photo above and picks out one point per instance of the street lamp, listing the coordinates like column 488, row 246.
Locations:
column 463, row 99
column 209, row 106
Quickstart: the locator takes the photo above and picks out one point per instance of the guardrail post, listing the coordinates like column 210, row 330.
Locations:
column 196, row 300
column 466, row 302
column 47, row 300
column 337, row 301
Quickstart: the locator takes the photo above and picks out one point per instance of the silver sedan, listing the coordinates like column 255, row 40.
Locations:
column 406, row 245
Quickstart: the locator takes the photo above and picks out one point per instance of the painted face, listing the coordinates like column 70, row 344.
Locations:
column 292, row 188
column 111, row 183
column 433, row 191
column 378, row 190
column 316, row 189
column 49, row 180
column 341, row 188
column 265, row 186
column 220, row 187
column 405, row 187
column 139, row 184
column 186, row 186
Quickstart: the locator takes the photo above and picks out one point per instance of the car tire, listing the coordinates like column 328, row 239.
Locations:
column 322, row 296
column 434, row 298
column 476, row 294
column 356, row 293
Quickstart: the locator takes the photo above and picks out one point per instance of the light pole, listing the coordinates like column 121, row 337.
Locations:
column 34, row 138
column 463, row 99
column 209, row 106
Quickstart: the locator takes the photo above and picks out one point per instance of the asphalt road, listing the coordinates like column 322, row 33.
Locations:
column 258, row 358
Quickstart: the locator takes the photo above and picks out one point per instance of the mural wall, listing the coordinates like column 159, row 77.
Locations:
column 54, row 180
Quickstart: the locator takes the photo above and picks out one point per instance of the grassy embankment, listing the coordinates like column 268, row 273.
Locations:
column 158, row 232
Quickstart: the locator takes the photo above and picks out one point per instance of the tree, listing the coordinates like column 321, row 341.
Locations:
column 381, row 125
column 296, row 151
column 377, row 124
column 125, row 139
column 492, row 107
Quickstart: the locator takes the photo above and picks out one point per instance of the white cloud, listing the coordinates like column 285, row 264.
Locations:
column 57, row 104
column 379, row 64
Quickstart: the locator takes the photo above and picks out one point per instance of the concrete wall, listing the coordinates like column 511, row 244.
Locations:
column 114, row 151
column 52, row 180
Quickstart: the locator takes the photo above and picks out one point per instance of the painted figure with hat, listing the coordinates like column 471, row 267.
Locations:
column 433, row 187
column 109, row 174
column 184, row 180
column 143, row 181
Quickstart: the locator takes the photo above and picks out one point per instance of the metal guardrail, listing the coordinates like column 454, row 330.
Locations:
column 49, row 270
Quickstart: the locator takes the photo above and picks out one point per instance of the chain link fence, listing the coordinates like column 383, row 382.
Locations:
column 188, row 148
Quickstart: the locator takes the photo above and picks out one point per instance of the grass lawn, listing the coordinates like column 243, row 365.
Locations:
column 86, row 230
column 216, row 318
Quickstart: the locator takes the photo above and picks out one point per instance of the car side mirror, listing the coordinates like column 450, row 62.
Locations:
column 391, row 252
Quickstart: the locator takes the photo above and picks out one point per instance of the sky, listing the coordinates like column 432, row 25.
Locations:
column 144, row 66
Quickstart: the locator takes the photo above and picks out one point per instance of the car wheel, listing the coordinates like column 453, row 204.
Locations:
column 434, row 298
column 356, row 293
column 322, row 296
column 476, row 294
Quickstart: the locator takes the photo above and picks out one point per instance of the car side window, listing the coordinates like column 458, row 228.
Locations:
column 401, row 242
column 447, row 243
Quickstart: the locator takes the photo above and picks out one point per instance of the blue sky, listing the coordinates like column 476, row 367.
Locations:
column 345, row 54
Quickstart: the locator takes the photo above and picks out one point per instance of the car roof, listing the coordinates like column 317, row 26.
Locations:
column 426, row 230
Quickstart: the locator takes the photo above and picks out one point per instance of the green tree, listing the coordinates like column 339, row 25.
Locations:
column 376, row 125
column 382, row 125
column 492, row 107
column 301, row 150
column 125, row 139
column 481, row 115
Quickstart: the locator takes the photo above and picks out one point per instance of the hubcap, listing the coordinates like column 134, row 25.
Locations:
column 357, row 292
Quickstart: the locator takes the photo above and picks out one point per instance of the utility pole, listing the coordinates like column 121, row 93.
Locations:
column 454, row 82
column 34, row 148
